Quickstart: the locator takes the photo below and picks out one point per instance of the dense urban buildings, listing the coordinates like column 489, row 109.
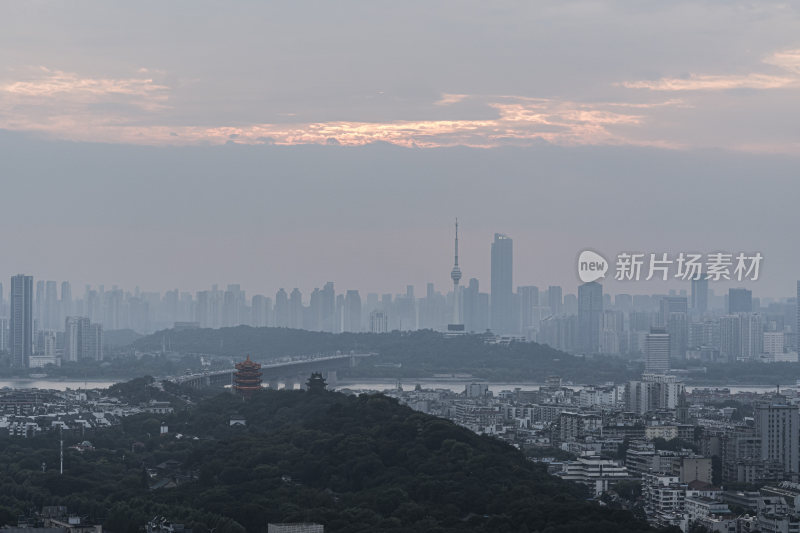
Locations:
column 40, row 327
column 592, row 321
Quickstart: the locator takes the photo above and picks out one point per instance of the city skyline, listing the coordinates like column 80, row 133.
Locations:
column 400, row 266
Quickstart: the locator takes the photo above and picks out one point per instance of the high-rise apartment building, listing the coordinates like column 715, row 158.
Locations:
column 674, row 316
column 778, row 427
column 260, row 311
column 797, row 319
column 352, row 311
column 730, row 338
column 740, row 301
column 751, row 330
column 20, row 335
column 590, row 312
column 528, row 299
column 699, row 296
column 232, row 305
column 281, row 309
column 39, row 308
column 82, row 340
column 296, row 309
column 66, row 299
column 657, row 351
column 51, row 311
column 3, row 334
column 378, row 322
column 555, row 299
column 327, row 317
column 476, row 307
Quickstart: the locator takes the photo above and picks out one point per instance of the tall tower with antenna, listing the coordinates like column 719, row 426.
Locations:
column 457, row 325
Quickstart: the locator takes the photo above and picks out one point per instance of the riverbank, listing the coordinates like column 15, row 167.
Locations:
column 377, row 384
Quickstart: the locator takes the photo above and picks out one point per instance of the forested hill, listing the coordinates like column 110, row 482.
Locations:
column 355, row 464
column 401, row 355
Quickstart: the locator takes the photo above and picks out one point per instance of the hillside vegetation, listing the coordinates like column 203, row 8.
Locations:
column 355, row 464
column 418, row 354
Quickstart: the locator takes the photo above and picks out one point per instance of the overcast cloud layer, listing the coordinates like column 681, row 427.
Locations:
column 672, row 74
column 150, row 142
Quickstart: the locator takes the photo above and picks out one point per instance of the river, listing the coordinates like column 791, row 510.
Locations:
column 54, row 384
column 376, row 384
column 458, row 386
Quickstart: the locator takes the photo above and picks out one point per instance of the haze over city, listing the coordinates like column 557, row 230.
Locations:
column 162, row 160
column 400, row 267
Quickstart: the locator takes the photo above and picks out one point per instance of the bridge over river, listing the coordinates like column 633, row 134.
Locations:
column 289, row 371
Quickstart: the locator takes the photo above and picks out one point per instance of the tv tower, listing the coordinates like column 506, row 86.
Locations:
column 455, row 275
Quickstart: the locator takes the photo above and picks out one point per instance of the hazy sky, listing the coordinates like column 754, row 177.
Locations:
column 149, row 142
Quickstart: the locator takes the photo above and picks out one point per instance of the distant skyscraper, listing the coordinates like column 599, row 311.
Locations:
column 700, row 296
column 570, row 304
column 657, row 348
column 3, row 334
column 38, row 310
column 352, row 311
column 476, row 307
column 554, row 299
column 232, row 304
column 259, row 311
column 378, row 322
column 203, row 309
column 502, row 291
column 730, row 338
column 112, row 312
column 590, row 311
column 66, row 299
column 457, row 322
column 327, row 308
column 674, row 317
column 797, row 320
column 281, row 309
column 296, row 309
column 470, row 305
column 51, row 319
column 740, row 301
column 20, row 342
column 751, row 330
column 313, row 318
column 528, row 298
column 623, row 302
column 340, row 312
column 672, row 304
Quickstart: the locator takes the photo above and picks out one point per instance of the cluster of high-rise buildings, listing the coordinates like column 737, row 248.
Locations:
column 41, row 330
column 702, row 324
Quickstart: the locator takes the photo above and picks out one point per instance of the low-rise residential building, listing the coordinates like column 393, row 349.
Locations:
column 596, row 473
